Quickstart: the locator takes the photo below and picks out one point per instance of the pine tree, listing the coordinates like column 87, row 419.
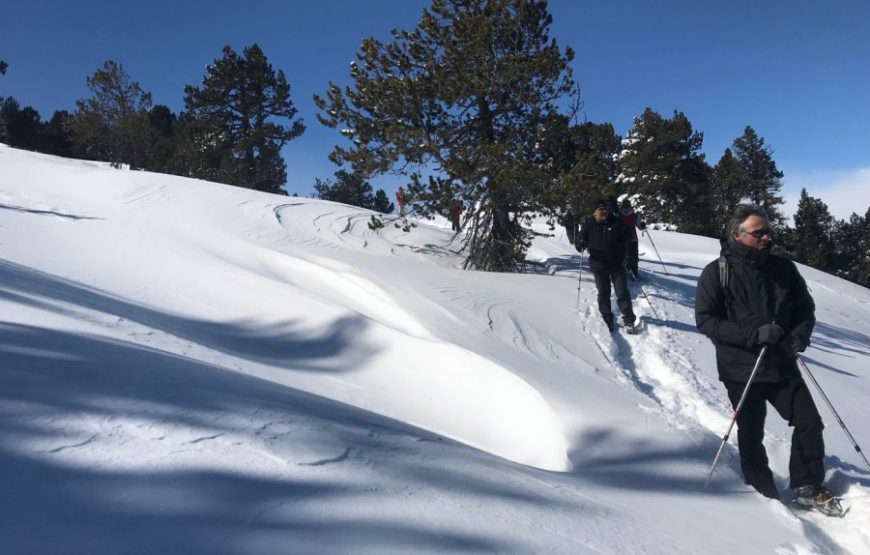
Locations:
column 465, row 97
column 3, row 67
column 238, row 121
column 862, row 274
column 763, row 178
column 585, row 157
column 813, row 227
column 728, row 188
column 848, row 259
column 20, row 127
column 112, row 125
column 382, row 203
column 347, row 188
column 58, row 139
column 23, row 128
column 662, row 163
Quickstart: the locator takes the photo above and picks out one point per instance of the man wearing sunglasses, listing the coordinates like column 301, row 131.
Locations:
column 745, row 300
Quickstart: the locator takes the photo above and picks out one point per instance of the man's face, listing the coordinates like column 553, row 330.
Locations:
column 755, row 233
column 600, row 214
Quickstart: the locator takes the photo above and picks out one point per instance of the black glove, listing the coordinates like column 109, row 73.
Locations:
column 769, row 334
column 792, row 345
column 580, row 246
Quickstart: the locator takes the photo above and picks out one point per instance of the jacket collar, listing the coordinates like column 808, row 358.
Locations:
column 739, row 252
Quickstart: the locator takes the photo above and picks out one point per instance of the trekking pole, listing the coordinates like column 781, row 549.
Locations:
column 649, row 234
column 736, row 412
column 836, row 415
column 579, row 281
column 644, row 296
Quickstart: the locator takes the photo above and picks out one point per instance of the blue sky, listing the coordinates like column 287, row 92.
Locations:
column 798, row 71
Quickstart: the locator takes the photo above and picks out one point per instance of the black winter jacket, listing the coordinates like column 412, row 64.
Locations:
column 606, row 242
column 762, row 288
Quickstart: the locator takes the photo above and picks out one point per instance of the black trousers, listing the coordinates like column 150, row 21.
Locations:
column 632, row 258
column 603, row 278
column 792, row 400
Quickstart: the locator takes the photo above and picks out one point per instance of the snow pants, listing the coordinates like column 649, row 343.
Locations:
column 603, row 278
column 792, row 400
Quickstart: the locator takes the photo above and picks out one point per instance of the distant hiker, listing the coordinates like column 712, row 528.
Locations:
column 400, row 200
column 746, row 299
column 455, row 213
column 570, row 223
column 606, row 237
column 633, row 223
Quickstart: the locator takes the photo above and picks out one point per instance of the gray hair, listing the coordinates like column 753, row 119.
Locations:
column 741, row 214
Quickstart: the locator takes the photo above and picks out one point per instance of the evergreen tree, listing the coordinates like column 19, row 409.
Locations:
column 382, row 203
column 862, row 272
column 467, row 97
column 160, row 139
column 347, row 188
column 662, row 162
column 238, row 121
column 728, row 188
column 813, row 227
column 112, row 124
column 585, row 158
column 852, row 249
column 3, row 66
column 58, row 139
column 848, row 260
column 20, row 127
column 763, row 178
column 23, row 128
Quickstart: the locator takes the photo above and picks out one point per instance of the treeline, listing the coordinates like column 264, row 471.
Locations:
column 475, row 106
column 231, row 130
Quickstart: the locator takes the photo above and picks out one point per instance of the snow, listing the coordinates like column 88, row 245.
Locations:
column 188, row 367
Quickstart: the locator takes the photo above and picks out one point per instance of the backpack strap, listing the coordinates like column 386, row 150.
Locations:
column 724, row 276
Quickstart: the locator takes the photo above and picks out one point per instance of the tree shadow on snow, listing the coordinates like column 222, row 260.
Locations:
column 834, row 338
column 282, row 344
column 608, row 458
column 46, row 212
column 49, row 378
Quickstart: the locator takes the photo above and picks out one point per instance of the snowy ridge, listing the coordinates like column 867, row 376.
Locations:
column 196, row 368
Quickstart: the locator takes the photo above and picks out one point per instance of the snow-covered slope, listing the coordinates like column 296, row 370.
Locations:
column 194, row 368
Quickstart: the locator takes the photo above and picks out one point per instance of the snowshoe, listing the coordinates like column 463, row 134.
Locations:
column 819, row 499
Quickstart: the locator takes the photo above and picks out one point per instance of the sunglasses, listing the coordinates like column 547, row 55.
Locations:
column 758, row 234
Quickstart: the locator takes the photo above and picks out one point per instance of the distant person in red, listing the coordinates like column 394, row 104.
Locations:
column 632, row 222
column 455, row 213
column 400, row 200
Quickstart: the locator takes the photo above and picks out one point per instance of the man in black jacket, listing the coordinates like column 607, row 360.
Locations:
column 763, row 301
column 607, row 237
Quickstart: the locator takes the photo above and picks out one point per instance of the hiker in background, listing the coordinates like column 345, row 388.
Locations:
column 605, row 236
column 633, row 223
column 400, row 201
column 745, row 300
column 455, row 213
